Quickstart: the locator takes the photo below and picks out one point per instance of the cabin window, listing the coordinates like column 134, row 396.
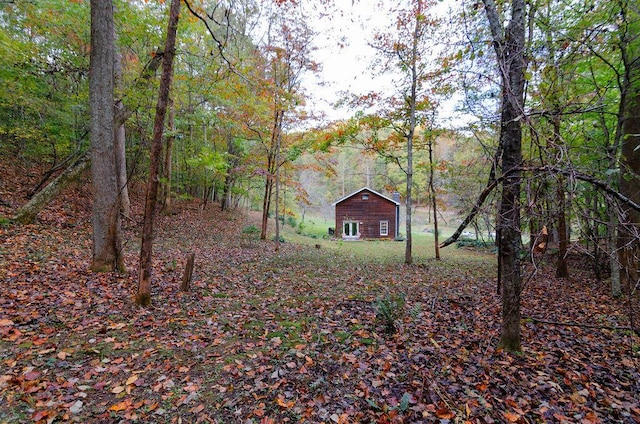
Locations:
column 365, row 197
column 384, row 228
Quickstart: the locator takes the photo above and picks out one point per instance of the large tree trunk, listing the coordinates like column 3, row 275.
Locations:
column 629, row 181
column 107, row 255
column 509, row 46
column 27, row 213
column 143, row 297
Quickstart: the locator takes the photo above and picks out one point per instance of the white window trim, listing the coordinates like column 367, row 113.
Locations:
column 351, row 236
column 384, row 225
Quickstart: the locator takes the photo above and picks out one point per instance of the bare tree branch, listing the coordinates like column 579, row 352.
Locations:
column 493, row 183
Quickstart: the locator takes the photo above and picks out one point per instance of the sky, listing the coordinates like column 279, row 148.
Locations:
column 346, row 57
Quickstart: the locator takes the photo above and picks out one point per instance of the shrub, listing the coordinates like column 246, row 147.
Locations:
column 251, row 229
column 389, row 309
column 478, row 244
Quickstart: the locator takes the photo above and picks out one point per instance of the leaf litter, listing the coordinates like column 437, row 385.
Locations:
column 294, row 337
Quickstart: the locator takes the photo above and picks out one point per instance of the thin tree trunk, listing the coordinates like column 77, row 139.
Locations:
column 408, row 257
column 562, row 270
column 143, row 296
column 229, row 178
column 266, row 205
column 563, row 242
column 266, row 201
column 166, row 192
column 432, row 195
column 120, row 135
column 278, row 134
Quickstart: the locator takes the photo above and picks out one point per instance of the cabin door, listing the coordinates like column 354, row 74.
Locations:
column 350, row 229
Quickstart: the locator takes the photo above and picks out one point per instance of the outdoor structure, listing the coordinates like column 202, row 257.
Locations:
column 367, row 214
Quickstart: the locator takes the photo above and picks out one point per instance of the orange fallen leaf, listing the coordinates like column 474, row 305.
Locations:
column 283, row 403
column 445, row 414
column 120, row 406
column 197, row 409
column 511, row 417
column 38, row 415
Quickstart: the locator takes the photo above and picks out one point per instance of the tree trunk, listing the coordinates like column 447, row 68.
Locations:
column 408, row 256
column 166, row 191
column 120, row 134
column 432, row 195
column 278, row 139
column 27, row 213
column 107, row 255
column 266, row 201
column 188, row 273
column 143, row 297
column 229, row 178
column 509, row 46
column 562, row 270
column 563, row 234
column 629, row 180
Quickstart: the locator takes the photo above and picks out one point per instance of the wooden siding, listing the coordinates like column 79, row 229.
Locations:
column 368, row 213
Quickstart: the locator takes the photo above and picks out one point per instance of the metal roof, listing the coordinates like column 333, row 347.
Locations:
column 368, row 189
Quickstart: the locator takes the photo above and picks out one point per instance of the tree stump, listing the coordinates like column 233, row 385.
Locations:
column 188, row 273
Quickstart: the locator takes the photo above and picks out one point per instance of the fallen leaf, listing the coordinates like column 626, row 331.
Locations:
column 76, row 407
column 120, row 406
column 445, row 413
column 39, row 415
column 32, row 375
column 117, row 389
column 511, row 417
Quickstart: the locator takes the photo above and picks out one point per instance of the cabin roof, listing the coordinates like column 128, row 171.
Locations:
column 367, row 189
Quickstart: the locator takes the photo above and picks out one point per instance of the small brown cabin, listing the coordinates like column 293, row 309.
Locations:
column 367, row 214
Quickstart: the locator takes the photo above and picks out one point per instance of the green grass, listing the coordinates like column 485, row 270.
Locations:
column 380, row 251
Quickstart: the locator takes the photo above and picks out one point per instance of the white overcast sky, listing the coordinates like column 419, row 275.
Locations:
column 345, row 56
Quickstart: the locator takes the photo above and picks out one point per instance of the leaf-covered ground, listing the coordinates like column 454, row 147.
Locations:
column 293, row 337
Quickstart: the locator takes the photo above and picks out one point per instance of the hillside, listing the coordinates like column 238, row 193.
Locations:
column 296, row 337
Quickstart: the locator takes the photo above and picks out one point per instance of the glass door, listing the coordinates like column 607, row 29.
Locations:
column 350, row 229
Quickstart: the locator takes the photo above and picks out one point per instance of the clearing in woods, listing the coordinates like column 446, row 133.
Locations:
column 303, row 336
